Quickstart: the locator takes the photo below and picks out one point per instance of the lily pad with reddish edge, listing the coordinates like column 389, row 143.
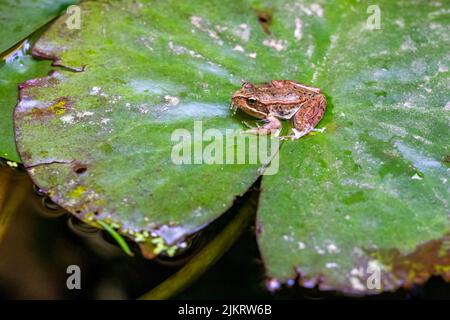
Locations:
column 100, row 134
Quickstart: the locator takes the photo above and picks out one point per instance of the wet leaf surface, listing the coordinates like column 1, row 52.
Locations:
column 99, row 141
column 18, row 68
column 370, row 191
column 19, row 19
column 369, row 194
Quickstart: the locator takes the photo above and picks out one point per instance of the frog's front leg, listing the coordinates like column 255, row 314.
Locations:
column 272, row 124
column 308, row 116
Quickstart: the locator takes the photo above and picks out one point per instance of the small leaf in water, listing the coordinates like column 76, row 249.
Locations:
column 116, row 236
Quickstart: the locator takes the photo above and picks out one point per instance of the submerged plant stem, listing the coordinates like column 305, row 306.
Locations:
column 207, row 257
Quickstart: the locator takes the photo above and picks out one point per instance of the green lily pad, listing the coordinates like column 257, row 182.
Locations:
column 369, row 195
column 100, row 140
column 18, row 68
column 19, row 19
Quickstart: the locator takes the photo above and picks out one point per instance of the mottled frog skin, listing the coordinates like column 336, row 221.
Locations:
column 281, row 99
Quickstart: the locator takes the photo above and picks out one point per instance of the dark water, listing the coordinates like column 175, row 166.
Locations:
column 43, row 240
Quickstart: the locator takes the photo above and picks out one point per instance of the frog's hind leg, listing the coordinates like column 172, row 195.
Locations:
column 271, row 125
column 308, row 116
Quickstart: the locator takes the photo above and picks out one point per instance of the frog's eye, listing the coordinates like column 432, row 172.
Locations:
column 251, row 101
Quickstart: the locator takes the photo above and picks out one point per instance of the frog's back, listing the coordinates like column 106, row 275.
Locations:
column 282, row 99
column 282, row 94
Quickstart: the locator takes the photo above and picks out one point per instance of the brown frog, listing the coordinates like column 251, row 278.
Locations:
column 281, row 99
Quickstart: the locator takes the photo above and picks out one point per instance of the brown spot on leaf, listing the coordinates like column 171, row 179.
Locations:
column 147, row 250
column 265, row 19
column 430, row 258
column 79, row 168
